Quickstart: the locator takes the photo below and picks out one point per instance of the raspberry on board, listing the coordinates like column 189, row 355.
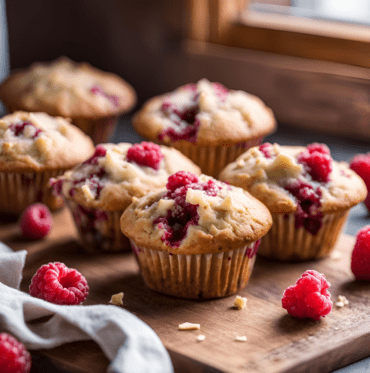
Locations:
column 309, row 297
column 361, row 165
column 56, row 283
column 360, row 261
column 145, row 154
column 14, row 358
column 36, row 221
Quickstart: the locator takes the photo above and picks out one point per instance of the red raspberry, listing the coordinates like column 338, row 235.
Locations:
column 361, row 165
column 180, row 179
column 360, row 263
column 14, row 358
column 19, row 128
column 266, row 149
column 145, row 154
column 36, row 221
column 100, row 151
column 317, row 161
column 309, row 297
column 56, row 283
column 99, row 91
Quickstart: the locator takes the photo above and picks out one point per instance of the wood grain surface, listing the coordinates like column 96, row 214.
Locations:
column 275, row 343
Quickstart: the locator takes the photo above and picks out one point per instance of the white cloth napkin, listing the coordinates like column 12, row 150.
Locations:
column 127, row 341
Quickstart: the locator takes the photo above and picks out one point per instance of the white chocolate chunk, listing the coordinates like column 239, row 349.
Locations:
column 116, row 299
column 87, row 193
column 241, row 338
column 342, row 301
column 240, row 302
column 189, row 326
column 335, row 255
column 201, row 337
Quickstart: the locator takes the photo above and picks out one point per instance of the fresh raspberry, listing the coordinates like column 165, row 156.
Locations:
column 145, row 154
column 360, row 263
column 36, row 221
column 100, row 151
column 14, row 358
column 266, row 149
column 308, row 198
column 180, row 179
column 309, row 297
column 19, row 128
column 184, row 214
column 317, row 161
column 361, row 165
column 56, row 283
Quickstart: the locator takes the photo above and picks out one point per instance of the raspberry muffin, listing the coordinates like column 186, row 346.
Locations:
column 308, row 194
column 92, row 98
column 207, row 122
column 33, row 148
column 197, row 238
column 101, row 188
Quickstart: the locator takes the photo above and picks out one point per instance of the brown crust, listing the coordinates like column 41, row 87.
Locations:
column 62, row 151
column 245, row 227
column 223, row 128
column 19, row 91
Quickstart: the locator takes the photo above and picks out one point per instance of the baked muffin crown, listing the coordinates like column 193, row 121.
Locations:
column 206, row 216
column 69, row 89
column 204, row 113
column 270, row 173
column 37, row 142
column 109, row 179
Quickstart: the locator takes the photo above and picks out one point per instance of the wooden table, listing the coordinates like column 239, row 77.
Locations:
column 275, row 342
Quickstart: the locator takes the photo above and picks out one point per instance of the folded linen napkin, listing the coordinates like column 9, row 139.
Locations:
column 126, row 340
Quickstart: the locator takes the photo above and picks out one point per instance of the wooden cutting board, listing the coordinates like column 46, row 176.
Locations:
column 275, row 343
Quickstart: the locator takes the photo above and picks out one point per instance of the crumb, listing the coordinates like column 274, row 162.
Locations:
column 241, row 338
column 335, row 255
column 116, row 299
column 189, row 326
column 240, row 302
column 342, row 301
column 201, row 337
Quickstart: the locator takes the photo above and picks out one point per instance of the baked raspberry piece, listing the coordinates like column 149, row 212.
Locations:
column 309, row 297
column 100, row 151
column 145, row 154
column 266, row 149
column 220, row 90
column 308, row 214
column 317, row 161
column 361, row 165
column 99, row 91
column 360, row 262
column 19, row 128
column 184, row 214
column 14, row 358
column 56, row 283
column 36, row 221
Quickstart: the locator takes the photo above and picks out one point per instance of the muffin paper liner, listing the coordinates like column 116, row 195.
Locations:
column 197, row 276
column 21, row 189
column 212, row 159
column 100, row 130
column 286, row 242
column 99, row 230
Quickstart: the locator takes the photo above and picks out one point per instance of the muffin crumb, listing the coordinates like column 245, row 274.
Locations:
column 240, row 302
column 335, row 255
column 116, row 299
column 189, row 326
column 342, row 301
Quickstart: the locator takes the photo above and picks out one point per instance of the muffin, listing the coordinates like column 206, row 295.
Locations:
column 101, row 188
column 92, row 98
column 196, row 238
column 207, row 122
column 308, row 194
column 33, row 148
